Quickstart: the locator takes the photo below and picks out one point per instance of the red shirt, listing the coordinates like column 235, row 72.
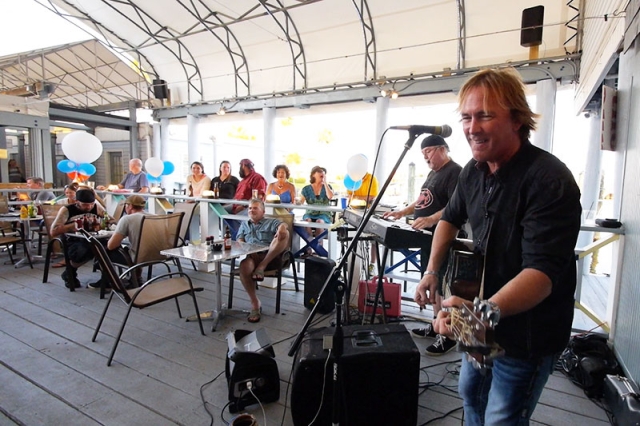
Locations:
column 246, row 187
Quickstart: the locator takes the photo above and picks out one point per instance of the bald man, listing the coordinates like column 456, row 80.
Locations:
column 136, row 179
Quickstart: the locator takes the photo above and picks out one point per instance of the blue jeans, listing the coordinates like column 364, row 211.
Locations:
column 507, row 394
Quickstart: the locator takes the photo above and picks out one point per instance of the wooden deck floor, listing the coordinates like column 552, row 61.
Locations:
column 51, row 372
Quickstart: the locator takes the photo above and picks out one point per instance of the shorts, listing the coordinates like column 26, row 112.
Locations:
column 259, row 257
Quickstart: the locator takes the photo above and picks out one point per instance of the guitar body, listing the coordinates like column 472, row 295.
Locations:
column 464, row 271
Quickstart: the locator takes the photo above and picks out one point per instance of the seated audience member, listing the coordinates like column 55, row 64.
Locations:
column 368, row 190
column 282, row 187
column 78, row 249
column 251, row 180
column 69, row 194
column 260, row 230
column 318, row 193
column 227, row 183
column 197, row 181
column 128, row 229
column 135, row 180
column 42, row 196
column 15, row 173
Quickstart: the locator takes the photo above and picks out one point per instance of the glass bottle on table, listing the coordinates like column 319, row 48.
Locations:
column 227, row 239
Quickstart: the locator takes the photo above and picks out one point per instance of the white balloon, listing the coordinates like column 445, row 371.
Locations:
column 81, row 147
column 357, row 167
column 154, row 166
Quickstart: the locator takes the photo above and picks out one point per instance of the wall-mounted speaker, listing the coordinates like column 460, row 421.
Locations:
column 531, row 29
column 160, row 89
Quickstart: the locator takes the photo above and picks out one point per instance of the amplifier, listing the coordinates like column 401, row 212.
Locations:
column 316, row 272
column 379, row 374
column 367, row 296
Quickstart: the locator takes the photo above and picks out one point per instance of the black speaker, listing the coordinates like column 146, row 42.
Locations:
column 160, row 90
column 531, row 29
column 316, row 271
column 250, row 363
column 379, row 375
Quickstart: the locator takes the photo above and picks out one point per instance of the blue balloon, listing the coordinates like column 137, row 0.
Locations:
column 86, row 169
column 350, row 184
column 67, row 166
column 154, row 179
column 168, row 168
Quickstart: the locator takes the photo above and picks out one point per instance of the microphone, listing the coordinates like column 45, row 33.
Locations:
column 416, row 129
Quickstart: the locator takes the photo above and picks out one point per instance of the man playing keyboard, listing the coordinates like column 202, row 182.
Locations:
column 427, row 210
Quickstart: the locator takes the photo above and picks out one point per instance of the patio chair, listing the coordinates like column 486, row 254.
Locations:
column 11, row 235
column 158, row 232
column 170, row 285
column 286, row 260
column 49, row 213
column 188, row 209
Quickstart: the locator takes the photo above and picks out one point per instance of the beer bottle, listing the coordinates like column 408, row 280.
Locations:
column 227, row 239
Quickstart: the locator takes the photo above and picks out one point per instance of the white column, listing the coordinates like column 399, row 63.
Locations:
column 591, row 182
column 382, row 112
column 161, row 147
column 269, row 120
column 546, row 107
column 192, row 138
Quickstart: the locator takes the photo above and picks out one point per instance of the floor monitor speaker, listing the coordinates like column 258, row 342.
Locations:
column 316, row 272
column 379, row 375
column 251, row 363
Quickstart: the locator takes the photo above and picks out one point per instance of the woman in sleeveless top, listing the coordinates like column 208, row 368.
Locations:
column 282, row 187
column 319, row 192
column 197, row 181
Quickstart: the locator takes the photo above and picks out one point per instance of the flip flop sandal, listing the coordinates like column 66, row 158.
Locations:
column 258, row 275
column 254, row 315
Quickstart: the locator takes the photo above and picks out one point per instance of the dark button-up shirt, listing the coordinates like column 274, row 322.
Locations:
column 525, row 215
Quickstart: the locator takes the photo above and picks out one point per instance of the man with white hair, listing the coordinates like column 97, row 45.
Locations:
column 136, row 179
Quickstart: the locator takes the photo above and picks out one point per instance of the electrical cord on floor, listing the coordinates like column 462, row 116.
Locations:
column 324, row 383
column 444, row 416
column 264, row 415
column 204, row 402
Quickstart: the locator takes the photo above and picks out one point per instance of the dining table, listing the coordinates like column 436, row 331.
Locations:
column 202, row 254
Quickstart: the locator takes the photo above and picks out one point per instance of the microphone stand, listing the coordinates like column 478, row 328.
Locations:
column 333, row 281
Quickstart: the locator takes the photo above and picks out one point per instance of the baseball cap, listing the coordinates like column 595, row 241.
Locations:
column 246, row 162
column 136, row 200
column 433, row 140
column 85, row 195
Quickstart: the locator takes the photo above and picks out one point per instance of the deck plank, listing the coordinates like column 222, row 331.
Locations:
column 48, row 360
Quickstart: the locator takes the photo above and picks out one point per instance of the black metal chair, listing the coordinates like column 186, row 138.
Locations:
column 167, row 286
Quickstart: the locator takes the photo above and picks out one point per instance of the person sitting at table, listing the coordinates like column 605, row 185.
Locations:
column 42, row 196
column 251, row 181
column 318, row 193
column 128, row 230
column 135, row 180
column 197, row 181
column 260, row 230
column 282, row 187
column 15, row 173
column 78, row 249
column 69, row 194
column 227, row 183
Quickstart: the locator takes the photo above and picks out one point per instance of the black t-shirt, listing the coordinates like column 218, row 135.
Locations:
column 226, row 188
column 437, row 190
